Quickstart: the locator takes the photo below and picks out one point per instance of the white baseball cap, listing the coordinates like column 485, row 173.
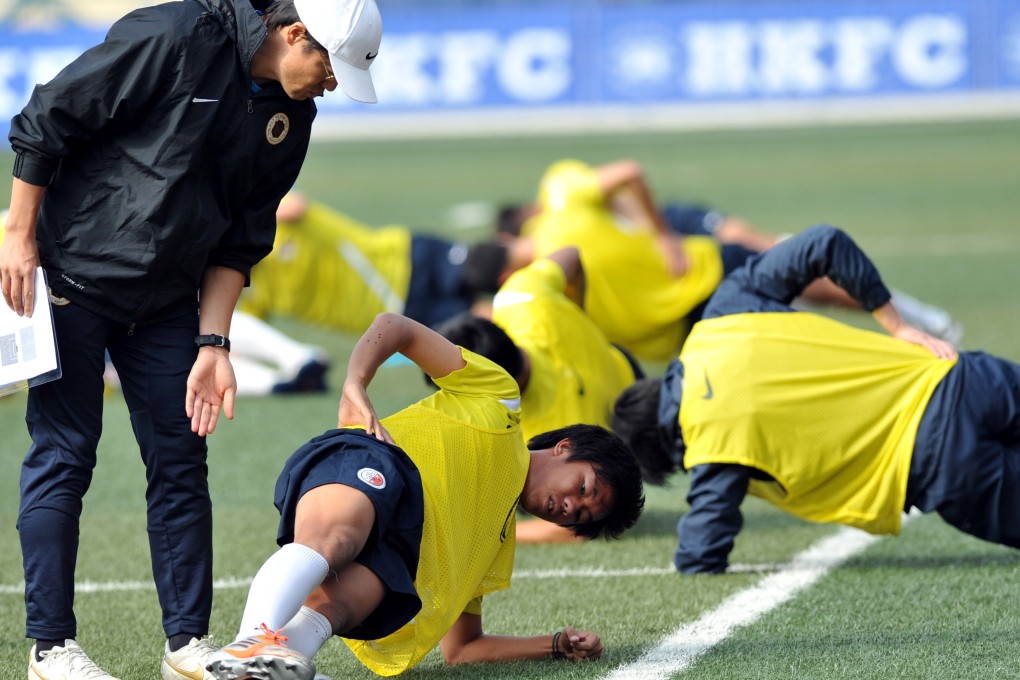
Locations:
column 350, row 30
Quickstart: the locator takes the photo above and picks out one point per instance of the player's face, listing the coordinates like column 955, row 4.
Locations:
column 569, row 493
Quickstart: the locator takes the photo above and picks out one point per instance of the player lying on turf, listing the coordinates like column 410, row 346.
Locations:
column 412, row 516
column 826, row 421
column 650, row 272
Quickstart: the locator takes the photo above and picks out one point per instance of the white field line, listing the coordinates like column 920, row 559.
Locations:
column 682, row 648
column 83, row 587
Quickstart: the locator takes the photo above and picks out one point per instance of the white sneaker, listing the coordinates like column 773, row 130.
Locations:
column 261, row 657
column 65, row 663
column 188, row 662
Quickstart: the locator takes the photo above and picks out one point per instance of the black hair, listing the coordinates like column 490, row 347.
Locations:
column 483, row 267
column 615, row 466
column 636, row 421
column 481, row 336
column 510, row 219
column 282, row 13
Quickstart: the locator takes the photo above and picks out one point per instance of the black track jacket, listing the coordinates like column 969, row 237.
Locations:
column 159, row 158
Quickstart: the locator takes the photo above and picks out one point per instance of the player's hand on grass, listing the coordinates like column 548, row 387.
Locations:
column 356, row 409
column 19, row 259
column 211, row 385
column 940, row 348
column 579, row 645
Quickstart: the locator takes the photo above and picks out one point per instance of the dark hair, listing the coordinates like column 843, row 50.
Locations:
column 481, row 336
column 510, row 219
column 282, row 13
column 483, row 267
column 636, row 421
column 614, row 465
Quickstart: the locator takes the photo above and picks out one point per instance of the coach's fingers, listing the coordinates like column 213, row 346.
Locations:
column 228, row 402
column 15, row 295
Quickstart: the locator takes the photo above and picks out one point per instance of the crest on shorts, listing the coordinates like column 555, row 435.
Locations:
column 373, row 478
column 277, row 128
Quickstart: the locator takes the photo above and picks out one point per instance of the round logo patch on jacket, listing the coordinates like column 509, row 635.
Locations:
column 373, row 478
column 277, row 128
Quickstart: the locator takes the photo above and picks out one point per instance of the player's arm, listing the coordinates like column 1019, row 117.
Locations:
column 624, row 181
column 390, row 334
column 783, row 272
column 893, row 323
column 569, row 260
column 540, row 531
column 292, row 208
column 771, row 281
column 466, row 642
column 628, row 193
column 709, row 528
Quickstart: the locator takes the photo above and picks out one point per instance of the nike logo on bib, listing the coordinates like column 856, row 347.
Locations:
column 708, row 388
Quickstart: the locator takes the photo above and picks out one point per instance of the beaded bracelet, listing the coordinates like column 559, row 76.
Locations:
column 556, row 653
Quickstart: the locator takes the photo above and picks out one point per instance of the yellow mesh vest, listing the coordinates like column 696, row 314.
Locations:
column 829, row 411
column 576, row 373
column 472, row 477
column 630, row 294
column 325, row 255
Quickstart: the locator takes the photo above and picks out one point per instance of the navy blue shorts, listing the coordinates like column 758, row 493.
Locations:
column 436, row 290
column 391, row 481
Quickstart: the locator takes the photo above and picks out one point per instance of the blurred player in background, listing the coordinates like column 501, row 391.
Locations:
column 146, row 177
column 567, row 371
column 829, row 422
column 330, row 270
column 650, row 271
column 393, row 530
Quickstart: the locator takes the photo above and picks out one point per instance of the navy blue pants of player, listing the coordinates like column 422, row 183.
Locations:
column 65, row 419
column 436, row 292
column 966, row 463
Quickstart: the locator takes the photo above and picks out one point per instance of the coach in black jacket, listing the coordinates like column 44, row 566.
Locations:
column 147, row 174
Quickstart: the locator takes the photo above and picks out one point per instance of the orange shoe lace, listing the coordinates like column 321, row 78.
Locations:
column 272, row 636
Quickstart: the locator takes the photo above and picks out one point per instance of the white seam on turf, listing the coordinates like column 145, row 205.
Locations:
column 806, row 561
column 684, row 646
column 84, row 587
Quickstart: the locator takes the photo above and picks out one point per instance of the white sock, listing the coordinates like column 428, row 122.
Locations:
column 253, row 379
column 280, row 587
column 308, row 631
column 254, row 338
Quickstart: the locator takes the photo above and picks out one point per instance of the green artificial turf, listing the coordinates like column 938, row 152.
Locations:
column 938, row 208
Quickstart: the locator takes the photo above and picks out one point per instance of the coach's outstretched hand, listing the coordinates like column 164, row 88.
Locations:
column 211, row 385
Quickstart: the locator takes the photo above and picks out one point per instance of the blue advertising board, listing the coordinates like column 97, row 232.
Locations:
column 477, row 58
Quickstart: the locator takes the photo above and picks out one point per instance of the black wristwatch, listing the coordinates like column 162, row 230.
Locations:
column 213, row 341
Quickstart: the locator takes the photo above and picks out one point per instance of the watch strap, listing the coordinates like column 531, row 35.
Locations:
column 213, row 340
